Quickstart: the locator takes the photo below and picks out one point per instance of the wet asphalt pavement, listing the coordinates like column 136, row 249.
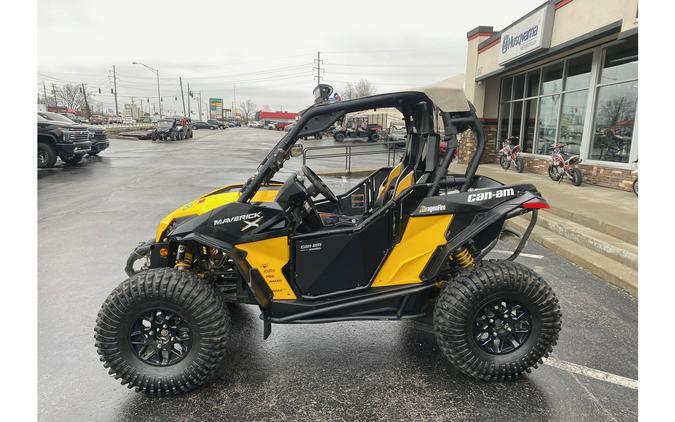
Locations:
column 91, row 215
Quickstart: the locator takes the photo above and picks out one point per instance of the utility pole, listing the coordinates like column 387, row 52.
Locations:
column 86, row 103
column 318, row 67
column 44, row 89
column 56, row 101
column 200, row 105
column 234, row 100
column 189, row 93
column 181, row 93
column 117, row 113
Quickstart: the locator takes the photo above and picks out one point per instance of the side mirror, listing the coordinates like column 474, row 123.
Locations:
column 296, row 150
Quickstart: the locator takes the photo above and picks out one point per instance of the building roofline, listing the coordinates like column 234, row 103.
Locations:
column 477, row 31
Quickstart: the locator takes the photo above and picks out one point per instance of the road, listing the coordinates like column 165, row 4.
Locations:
column 91, row 215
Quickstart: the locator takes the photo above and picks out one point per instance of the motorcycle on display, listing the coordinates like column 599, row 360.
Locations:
column 564, row 165
column 635, row 182
column 508, row 154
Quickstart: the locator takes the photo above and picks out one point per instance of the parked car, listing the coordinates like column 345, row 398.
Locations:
column 128, row 121
column 97, row 135
column 217, row 123
column 97, row 120
column 397, row 134
column 234, row 123
column 289, row 127
column 75, row 118
column 281, row 125
column 256, row 124
column 114, row 119
column 271, row 125
column 173, row 129
column 203, row 125
column 58, row 139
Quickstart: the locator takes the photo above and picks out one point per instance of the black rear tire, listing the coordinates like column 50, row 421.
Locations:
column 505, row 162
column 339, row 137
column 46, row 155
column 635, row 187
column 466, row 298
column 181, row 293
column 520, row 164
column 577, row 178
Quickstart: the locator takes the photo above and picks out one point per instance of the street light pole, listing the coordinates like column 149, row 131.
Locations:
column 159, row 94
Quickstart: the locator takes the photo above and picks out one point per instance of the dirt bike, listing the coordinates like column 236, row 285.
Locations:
column 508, row 154
column 564, row 165
column 403, row 243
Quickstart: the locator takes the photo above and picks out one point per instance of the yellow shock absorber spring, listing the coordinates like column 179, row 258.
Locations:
column 185, row 263
column 463, row 258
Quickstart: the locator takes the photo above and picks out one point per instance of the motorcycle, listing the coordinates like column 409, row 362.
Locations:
column 508, row 155
column 635, row 182
column 564, row 165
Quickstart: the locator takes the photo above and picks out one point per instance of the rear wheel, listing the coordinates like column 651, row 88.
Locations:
column 577, row 178
column 46, row 155
column 497, row 320
column 162, row 331
column 553, row 173
column 635, row 187
column 520, row 164
column 505, row 162
column 339, row 137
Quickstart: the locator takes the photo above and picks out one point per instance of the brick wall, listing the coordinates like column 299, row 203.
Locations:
column 593, row 174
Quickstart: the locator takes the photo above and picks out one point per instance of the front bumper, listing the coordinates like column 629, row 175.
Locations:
column 99, row 145
column 81, row 147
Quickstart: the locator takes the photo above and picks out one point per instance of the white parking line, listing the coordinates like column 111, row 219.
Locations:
column 591, row 373
column 526, row 255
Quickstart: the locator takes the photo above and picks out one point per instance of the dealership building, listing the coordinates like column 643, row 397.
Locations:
column 564, row 73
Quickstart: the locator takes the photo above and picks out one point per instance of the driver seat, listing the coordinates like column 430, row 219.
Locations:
column 401, row 171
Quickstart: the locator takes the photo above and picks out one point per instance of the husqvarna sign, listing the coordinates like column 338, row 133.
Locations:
column 528, row 35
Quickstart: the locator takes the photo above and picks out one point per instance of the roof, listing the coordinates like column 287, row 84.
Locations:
column 277, row 115
column 448, row 94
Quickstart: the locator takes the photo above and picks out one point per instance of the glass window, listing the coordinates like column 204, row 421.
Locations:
column 528, row 125
column 578, row 72
column 516, row 117
column 504, row 123
column 518, row 86
column 547, row 123
column 506, row 89
column 532, row 84
column 552, row 79
column 621, row 63
column 614, row 118
column 572, row 116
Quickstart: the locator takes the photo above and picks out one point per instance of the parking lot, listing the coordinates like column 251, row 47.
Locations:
column 92, row 214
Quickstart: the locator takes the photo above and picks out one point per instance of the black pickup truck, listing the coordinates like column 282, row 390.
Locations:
column 97, row 135
column 68, row 141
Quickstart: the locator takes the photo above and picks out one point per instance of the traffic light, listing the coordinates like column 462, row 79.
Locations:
column 99, row 90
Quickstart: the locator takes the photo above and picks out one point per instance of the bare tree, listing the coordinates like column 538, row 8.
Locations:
column 70, row 96
column 247, row 109
column 616, row 109
column 362, row 88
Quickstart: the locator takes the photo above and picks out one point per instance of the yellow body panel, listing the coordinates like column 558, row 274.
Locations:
column 393, row 174
column 404, row 183
column 210, row 201
column 269, row 256
column 409, row 257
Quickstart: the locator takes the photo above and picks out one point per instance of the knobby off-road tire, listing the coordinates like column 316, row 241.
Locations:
column 520, row 164
column 577, row 178
column 505, row 162
column 463, row 302
column 553, row 173
column 181, row 293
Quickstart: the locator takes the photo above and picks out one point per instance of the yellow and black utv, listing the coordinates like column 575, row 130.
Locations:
column 404, row 242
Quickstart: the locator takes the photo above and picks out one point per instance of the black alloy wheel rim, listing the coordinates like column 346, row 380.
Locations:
column 160, row 337
column 502, row 326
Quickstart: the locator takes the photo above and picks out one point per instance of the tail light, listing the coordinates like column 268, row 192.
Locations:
column 537, row 204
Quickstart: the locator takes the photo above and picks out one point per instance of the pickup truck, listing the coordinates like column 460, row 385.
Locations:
column 68, row 141
column 97, row 135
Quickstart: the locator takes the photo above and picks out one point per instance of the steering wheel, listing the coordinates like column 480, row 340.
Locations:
column 319, row 185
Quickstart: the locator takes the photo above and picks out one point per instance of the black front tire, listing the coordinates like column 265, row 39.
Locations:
column 46, row 155
column 553, row 173
column 577, row 178
column 181, row 292
column 505, row 162
column 461, row 305
column 339, row 137
column 635, row 187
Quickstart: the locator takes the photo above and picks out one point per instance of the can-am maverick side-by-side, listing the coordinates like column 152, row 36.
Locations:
column 403, row 243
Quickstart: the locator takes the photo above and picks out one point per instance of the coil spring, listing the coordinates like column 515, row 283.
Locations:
column 463, row 258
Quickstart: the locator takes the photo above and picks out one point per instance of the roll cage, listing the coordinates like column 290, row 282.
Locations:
column 419, row 112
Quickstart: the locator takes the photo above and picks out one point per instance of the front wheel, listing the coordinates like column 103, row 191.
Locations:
column 577, row 178
column 520, row 164
column 505, row 162
column 72, row 159
column 339, row 137
column 553, row 173
column 635, row 187
column 46, row 155
column 162, row 331
column 497, row 320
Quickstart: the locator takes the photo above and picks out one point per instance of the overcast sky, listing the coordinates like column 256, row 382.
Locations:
column 265, row 49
